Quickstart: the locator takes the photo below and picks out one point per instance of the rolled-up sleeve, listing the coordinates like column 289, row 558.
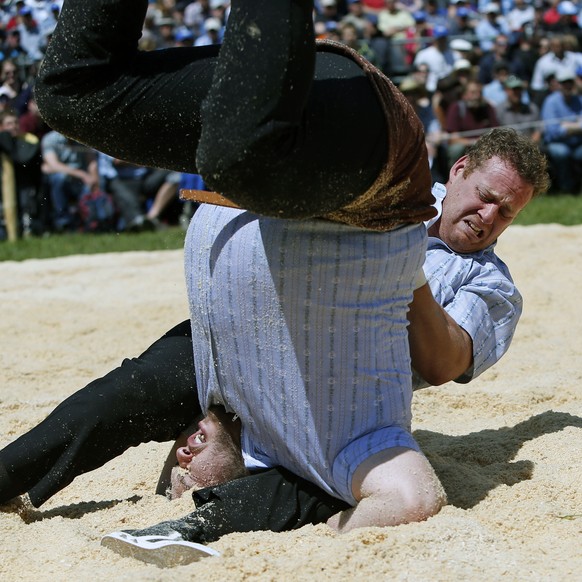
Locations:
column 478, row 292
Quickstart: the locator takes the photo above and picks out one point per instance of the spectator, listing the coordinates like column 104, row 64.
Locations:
column 328, row 13
column 490, row 27
column 164, row 205
column 165, row 32
column 438, row 57
column 220, row 9
column 393, row 20
column 349, row 36
column 379, row 44
column 418, row 35
column 123, row 181
column 462, row 49
column 212, row 33
column 523, row 58
column 518, row 111
column 567, row 22
column 183, row 37
column 467, row 119
column 356, row 16
column 518, row 18
column 48, row 23
column 16, row 91
column 462, row 22
column 494, row 92
column 451, row 88
column 562, row 117
column 195, row 14
column 435, row 16
column 23, row 151
column 31, row 121
column 330, row 31
column 30, row 35
column 70, row 170
column 556, row 60
column 12, row 48
column 498, row 54
column 420, row 75
column 537, row 30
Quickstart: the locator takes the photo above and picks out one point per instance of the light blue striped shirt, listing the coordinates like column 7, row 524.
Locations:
column 299, row 326
column 477, row 291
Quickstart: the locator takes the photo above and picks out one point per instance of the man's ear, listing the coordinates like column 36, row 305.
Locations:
column 458, row 167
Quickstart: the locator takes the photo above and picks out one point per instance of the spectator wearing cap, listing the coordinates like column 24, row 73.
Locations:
column 467, row 119
column 30, row 35
column 462, row 21
column 356, row 17
column 490, row 27
column 557, row 59
column 562, row 117
column 220, row 9
column 164, row 32
column 328, row 11
column 213, row 32
column 183, row 36
column 518, row 111
column 579, row 79
column 551, row 15
column 438, row 57
column 48, row 18
column 419, row 36
column 327, row 30
column 462, row 49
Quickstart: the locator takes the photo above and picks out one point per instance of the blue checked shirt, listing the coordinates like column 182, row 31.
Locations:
column 477, row 291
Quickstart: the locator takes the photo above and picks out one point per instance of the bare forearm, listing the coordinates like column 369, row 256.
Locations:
column 440, row 348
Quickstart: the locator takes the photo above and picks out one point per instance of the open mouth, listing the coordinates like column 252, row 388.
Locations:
column 199, row 437
column 475, row 229
column 196, row 440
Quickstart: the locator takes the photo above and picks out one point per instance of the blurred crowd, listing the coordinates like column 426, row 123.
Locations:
column 465, row 66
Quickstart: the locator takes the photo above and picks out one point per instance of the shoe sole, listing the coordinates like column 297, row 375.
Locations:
column 158, row 550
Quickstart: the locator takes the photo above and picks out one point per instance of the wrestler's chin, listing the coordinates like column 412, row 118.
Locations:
column 180, row 482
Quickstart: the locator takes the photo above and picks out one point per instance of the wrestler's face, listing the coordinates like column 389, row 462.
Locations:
column 210, row 456
column 480, row 206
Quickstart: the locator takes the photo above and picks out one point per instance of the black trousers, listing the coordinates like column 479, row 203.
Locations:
column 152, row 397
column 274, row 125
